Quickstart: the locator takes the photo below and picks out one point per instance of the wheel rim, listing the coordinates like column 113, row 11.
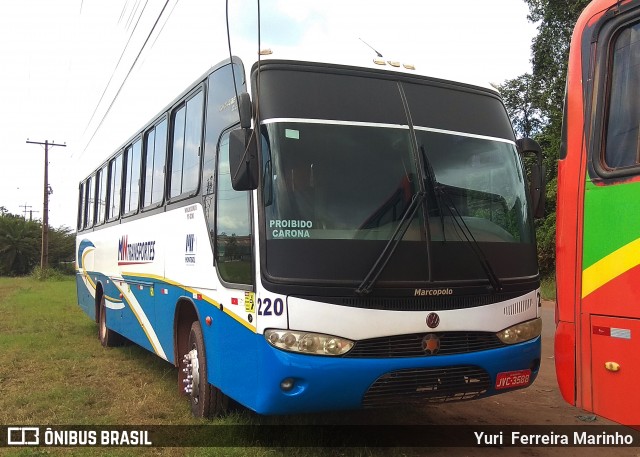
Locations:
column 192, row 372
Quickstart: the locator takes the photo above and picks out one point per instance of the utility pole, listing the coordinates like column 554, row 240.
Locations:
column 44, row 258
column 25, row 206
column 30, row 211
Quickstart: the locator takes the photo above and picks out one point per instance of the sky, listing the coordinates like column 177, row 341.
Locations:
column 89, row 73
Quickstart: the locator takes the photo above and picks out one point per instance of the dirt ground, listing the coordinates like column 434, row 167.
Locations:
column 540, row 404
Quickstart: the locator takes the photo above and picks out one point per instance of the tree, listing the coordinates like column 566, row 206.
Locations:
column 550, row 49
column 535, row 101
column 519, row 97
column 19, row 245
column 62, row 246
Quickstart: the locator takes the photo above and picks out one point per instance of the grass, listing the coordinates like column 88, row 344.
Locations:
column 548, row 288
column 54, row 371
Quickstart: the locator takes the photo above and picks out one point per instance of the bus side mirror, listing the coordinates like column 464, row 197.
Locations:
column 537, row 185
column 243, row 159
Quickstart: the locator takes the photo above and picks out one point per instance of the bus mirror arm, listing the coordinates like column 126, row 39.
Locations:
column 243, row 159
column 537, row 190
column 244, row 110
column 243, row 155
column 537, row 185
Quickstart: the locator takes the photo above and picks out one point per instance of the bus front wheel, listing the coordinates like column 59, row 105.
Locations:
column 206, row 400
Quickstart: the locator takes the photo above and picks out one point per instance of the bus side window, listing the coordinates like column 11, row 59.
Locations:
column 155, row 153
column 115, row 185
column 80, row 224
column 89, row 202
column 185, row 151
column 132, row 177
column 622, row 145
column 221, row 114
column 101, row 193
column 233, row 224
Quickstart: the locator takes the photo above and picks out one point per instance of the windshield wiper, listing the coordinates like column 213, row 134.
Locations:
column 468, row 235
column 433, row 183
column 441, row 191
column 366, row 286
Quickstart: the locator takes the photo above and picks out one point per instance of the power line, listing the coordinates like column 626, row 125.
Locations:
column 123, row 10
column 165, row 23
column 133, row 13
column 126, row 77
column 115, row 69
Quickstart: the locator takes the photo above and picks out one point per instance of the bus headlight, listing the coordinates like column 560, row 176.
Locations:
column 524, row 331
column 307, row 342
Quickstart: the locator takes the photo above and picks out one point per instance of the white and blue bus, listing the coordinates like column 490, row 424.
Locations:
column 302, row 236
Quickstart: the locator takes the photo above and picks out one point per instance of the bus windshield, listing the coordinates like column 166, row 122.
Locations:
column 351, row 183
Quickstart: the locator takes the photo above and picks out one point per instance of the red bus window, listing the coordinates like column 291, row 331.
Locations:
column 622, row 140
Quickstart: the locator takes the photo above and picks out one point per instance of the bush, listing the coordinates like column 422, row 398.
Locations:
column 67, row 268
column 47, row 274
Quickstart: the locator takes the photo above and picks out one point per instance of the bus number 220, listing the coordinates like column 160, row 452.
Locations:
column 267, row 308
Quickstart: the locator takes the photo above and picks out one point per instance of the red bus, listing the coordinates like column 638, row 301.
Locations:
column 597, row 340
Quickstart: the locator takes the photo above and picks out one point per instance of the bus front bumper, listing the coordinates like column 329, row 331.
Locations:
column 297, row 383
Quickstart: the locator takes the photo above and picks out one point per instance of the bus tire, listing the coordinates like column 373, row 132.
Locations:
column 107, row 337
column 206, row 400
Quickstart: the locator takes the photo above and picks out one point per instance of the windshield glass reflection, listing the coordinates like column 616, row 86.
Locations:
column 482, row 179
column 337, row 181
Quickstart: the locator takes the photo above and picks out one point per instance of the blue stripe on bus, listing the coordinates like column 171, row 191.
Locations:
column 120, row 315
column 245, row 367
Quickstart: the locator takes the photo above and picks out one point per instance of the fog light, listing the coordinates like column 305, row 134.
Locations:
column 287, row 384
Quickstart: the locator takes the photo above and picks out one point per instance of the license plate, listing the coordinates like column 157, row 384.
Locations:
column 511, row 379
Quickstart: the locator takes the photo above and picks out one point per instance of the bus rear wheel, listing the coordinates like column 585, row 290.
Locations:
column 206, row 400
column 107, row 337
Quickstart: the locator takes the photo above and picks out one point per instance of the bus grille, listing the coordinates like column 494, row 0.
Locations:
column 427, row 385
column 438, row 303
column 412, row 345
